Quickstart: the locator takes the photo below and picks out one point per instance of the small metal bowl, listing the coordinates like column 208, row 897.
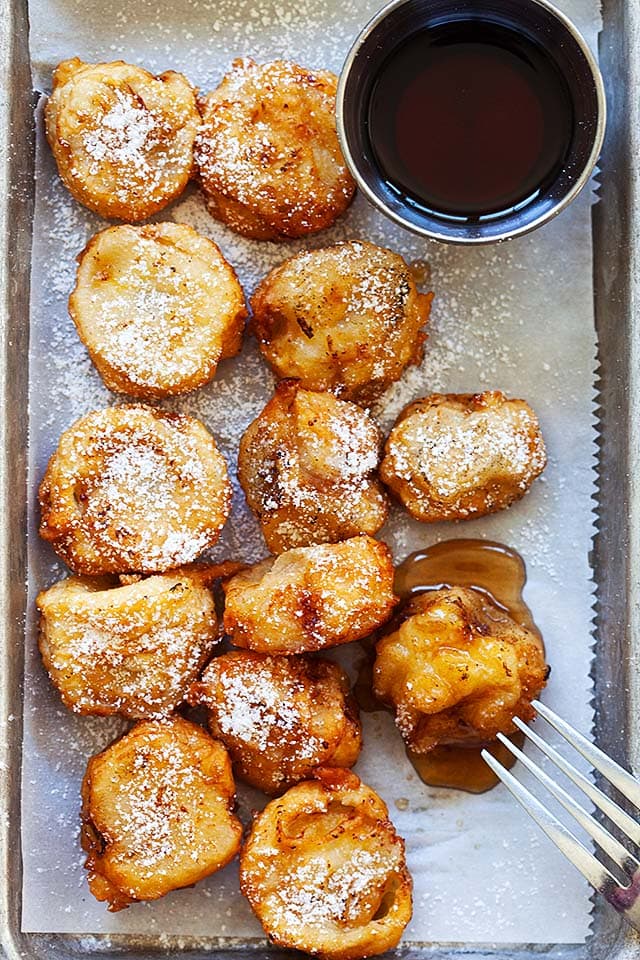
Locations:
column 537, row 19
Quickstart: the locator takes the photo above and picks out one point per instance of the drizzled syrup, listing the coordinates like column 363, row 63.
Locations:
column 497, row 572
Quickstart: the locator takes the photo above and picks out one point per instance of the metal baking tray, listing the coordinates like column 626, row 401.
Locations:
column 616, row 554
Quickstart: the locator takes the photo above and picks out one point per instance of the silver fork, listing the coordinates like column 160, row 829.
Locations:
column 623, row 896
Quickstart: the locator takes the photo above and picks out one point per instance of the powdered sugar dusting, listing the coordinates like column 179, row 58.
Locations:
column 318, row 894
column 131, row 489
column 353, row 455
column 455, row 457
column 264, row 124
column 516, row 317
column 153, row 837
column 317, row 869
column 255, row 707
column 155, row 305
column 308, row 466
column 124, row 135
column 166, row 814
column 123, row 138
column 346, row 318
column 311, row 597
column 133, row 649
column 266, row 706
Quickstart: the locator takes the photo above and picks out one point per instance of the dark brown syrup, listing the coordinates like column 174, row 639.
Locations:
column 484, row 565
column 470, row 120
column 462, row 768
column 420, row 271
column 499, row 573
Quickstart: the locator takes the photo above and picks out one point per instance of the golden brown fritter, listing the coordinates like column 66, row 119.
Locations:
column 325, row 871
column 311, row 598
column 280, row 717
column 457, row 456
column 122, row 138
column 457, row 669
column 134, row 488
column 157, row 812
column 157, row 307
column 267, row 152
column 346, row 318
column 307, row 466
column 132, row 648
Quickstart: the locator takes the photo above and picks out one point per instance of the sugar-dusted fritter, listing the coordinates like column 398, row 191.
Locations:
column 307, row 465
column 132, row 648
column 134, row 489
column 267, row 152
column 311, row 597
column 346, row 318
column 325, row 871
column 122, row 138
column 280, row 717
column 457, row 456
column 157, row 812
column 457, row 669
column 157, row 307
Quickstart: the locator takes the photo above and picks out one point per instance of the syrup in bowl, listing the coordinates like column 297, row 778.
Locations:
column 470, row 119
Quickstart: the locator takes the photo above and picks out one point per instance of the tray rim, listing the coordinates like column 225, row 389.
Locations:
column 617, row 297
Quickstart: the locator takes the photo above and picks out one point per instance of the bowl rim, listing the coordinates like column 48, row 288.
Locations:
column 434, row 234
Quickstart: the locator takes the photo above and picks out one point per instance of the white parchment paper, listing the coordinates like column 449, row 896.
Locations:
column 518, row 317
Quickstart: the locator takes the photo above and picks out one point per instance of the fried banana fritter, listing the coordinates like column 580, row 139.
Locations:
column 267, row 152
column 280, row 717
column 307, row 466
column 346, row 318
column 157, row 307
column 134, row 489
column 325, row 871
column 122, row 138
column 311, row 598
column 132, row 648
column 457, row 456
column 457, row 669
column 157, row 812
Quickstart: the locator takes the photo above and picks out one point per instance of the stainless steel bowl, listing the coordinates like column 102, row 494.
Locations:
column 538, row 19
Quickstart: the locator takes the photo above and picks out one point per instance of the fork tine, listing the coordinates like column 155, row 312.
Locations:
column 619, row 854
column 617, row 775
column 590, row 868
column 611, row 809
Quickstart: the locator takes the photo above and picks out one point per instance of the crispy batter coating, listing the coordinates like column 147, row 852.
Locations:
column 280, row 717
column 133, row 488
column 122, row 138
column 346, row 318
column 457, row 456
column 307, row 466
column 268, row 154
column 157, row 812
column 311, row 598
column 157, row 307
column 132, row 648
column 457, row 669
column 325, row 871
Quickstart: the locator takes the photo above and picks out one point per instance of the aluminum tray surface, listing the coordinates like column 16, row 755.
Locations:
column 616, row 548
